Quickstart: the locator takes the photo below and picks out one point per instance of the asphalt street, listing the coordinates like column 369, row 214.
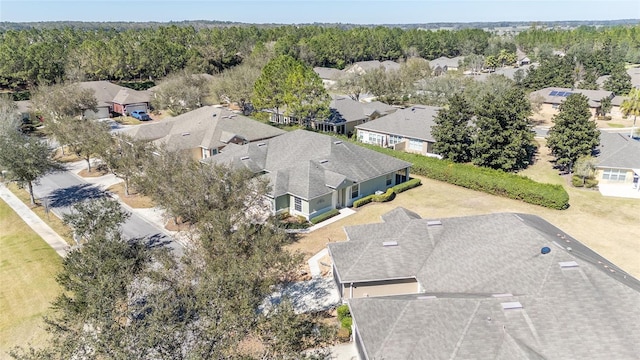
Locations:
column 59, row 191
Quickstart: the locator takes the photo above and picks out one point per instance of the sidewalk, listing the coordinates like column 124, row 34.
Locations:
column 40, row 227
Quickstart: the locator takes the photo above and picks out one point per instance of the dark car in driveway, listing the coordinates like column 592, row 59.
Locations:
column 140, row 115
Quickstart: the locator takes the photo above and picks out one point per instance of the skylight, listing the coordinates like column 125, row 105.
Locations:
column 568, row 264
column 511, row 305
column 390, row 243
column 244, row 158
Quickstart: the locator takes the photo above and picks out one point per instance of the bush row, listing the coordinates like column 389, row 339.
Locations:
column 324, row 216
column 407, row 185
column 495, row 182
column 589, row 182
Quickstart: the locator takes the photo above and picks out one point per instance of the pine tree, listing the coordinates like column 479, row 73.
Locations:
column 452, row 131
column 573, row 133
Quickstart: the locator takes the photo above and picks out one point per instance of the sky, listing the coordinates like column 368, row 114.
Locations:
column 309, row 11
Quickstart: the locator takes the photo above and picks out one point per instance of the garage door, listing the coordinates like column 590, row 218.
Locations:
column 133, row 107
column 100, row 113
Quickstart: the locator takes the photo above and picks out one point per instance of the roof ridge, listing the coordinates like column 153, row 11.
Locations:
column 393, row 326
column 466, row 329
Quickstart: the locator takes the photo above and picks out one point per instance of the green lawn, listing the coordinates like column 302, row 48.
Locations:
column 27, row 269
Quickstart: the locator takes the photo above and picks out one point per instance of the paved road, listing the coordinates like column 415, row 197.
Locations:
column 63, row 189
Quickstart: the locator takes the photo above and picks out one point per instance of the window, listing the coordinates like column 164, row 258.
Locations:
column 415, row 144
column 614, row 174
column 389, row 178
column 355, row 190
column 394, row 139
column 297, row 204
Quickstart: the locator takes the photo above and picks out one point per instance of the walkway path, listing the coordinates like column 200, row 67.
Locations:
column 38, row 225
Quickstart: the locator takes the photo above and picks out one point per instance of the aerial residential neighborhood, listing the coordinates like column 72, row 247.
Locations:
column 428, row 180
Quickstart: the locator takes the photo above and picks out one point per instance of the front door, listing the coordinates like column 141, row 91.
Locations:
column 342, row 198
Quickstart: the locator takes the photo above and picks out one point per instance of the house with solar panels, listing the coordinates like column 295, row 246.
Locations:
column 552, row 97
column 492, row 286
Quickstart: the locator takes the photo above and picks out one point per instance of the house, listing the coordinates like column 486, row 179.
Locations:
column 329, row 76
column 443, row 64
column 346, row 113
column 362, row 67
column 114, row 98
column 203, row 132
column 508, row 72
column 552, row 97
column 523, row 59
column 406, row 130
column 494, row 286
column 618, row 160
column 312, row 173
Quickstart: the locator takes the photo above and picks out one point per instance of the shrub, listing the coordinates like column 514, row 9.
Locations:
column 363, row 201
column 346, row 322
column 324, row 216
column 490, row 181
column 387, row 196
column 343, row 311
column 576, row 181
column 407, row 185
column 591, row 183
column 344, row 335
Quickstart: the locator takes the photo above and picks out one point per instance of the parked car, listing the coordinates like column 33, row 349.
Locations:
column 140, row 115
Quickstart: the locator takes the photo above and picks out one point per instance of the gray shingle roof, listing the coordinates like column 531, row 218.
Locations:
column 308, row 164
column 413, row 122
column 445, row 61
column 618, row 151
column 326, row 73
column 209, row 127
column 587, row 311
column 107, row 93
column 345, row 109
column 594, row 95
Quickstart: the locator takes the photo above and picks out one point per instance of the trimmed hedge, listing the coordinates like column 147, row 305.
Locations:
column 407, row 185
column 363, row 201
column 324, row 216
column 387, row 196
column 490, row 181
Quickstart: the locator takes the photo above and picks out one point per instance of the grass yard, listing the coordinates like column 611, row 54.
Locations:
column 27, row 268
column 610, row 226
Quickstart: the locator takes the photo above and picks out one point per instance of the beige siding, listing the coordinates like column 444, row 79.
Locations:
column 381, row 288
column 628, row 177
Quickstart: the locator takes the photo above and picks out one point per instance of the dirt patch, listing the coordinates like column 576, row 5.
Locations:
column 171, row 225
column 67, row 157
column 134, row 199
column 95, row 172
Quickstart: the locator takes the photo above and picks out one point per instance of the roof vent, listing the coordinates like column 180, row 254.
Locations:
column 338, row 142
column 390, row 243
column 262, row 144
column 426, row 297
column 511, row 305
column 568, row 264
column 502, row 295
column 244, row 158
column 324, row 161
column 185, row 134
column 545, row 250
column 434, row 222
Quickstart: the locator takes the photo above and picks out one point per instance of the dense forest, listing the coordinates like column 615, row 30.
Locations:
column 32, row 56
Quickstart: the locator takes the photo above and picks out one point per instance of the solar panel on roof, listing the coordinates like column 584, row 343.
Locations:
column 567, row 94
column 560, row 93
column 553, row 93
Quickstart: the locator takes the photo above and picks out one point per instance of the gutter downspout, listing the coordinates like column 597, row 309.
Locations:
column 351, row 291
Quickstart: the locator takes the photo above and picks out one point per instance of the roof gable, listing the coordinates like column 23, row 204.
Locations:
column 413, row 122
column 618, row 151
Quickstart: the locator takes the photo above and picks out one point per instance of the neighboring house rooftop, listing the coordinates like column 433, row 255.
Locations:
column 106, row 93
column 508, row 72
column 23, row 106
column 308, row 164
column 634, row 72
column 209, row 127
column 363, row 67
column 489, row 292
column 445, row 61
column 413, row 122
column 618, row 151
column 345, row 109
column 555, row 95
column 326, row 73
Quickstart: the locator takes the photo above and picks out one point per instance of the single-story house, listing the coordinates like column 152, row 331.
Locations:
column 311, row 173
column 552, row 97
column 406, row 130
column 618, row 159
column 114, row 98
column 616, row 104
column 204, row 132
column 508, row 72
column 443, row 64
column 362, row 67
column 329, row 76
column 494, row 286
column 346, row 113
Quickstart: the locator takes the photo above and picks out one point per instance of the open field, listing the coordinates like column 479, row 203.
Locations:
column 610, row 226
column 27, row 269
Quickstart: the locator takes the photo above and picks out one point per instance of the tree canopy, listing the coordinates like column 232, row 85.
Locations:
column 573, row 133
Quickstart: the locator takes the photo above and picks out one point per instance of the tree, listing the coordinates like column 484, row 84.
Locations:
column 619, row 82
column 352, row 84
column 452, row 130
column 96, row 218
column 180, row 93
column 605, row 106
column 585, row 167
column 589, row 81
column 26, row 158
column 125, row 158
column 631, row 106
column 87, row 138
column 573, row 134
column 504, row 138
